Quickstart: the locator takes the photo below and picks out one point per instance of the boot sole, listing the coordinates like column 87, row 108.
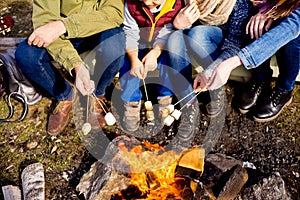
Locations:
column 244, row 111
column 275, row 116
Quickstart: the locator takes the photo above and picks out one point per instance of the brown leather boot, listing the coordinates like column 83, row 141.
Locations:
column 96, row 113
column 59, row 118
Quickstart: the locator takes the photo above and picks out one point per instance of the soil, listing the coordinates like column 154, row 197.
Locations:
column 271, row 146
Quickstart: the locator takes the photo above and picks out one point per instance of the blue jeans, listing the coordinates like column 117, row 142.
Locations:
column 35, row 63
column 200, row 42
column 131, row 84
column 283, row 39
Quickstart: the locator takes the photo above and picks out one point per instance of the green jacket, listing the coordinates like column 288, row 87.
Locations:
column 82, row 18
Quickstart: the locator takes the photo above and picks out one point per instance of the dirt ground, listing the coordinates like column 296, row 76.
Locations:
column 271, row 146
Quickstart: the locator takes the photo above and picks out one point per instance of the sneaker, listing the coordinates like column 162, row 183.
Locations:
column 272, row 106
column 187, row 128
column 131, row 118
column 250, row 96
column 59, row 117
column 217, row 103
column 97, row 112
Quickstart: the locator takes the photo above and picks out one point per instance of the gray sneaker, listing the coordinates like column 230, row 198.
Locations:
column 131, row 118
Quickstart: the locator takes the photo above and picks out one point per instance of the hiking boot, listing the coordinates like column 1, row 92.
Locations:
column 186, row 129
column 59, row 117
column 250, row 96
column 163, row 103
column 217, row 103
column 131, row 118
column 97, row 112
column 272, row 106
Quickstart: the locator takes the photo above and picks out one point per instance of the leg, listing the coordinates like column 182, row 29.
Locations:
column 35, row 63
column 203, row 43
column 288, row 60
column 180, row 70
column 281, row 96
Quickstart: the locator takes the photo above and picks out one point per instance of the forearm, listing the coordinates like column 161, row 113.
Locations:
column 264, row 47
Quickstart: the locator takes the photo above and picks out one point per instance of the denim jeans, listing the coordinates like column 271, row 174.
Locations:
column 35, row 63
column 200, row 42
column 283, row 39
column 131, row 84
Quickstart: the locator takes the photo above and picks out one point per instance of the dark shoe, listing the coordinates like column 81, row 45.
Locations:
column 250, row 96
column 97, row 112
column 186, row 130
column 217, row 103
column 59, row 118
column 272, row 106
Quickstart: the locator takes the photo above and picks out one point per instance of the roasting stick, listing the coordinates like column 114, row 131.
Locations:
column 148, row 105
column 109, row 118
column 86, row 127
column 175, row 114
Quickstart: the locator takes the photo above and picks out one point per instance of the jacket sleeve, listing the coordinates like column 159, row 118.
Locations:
column 235, row 37
column 105, row 15
column 289, row 29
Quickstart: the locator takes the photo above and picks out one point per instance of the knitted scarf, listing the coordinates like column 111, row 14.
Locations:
column 214, row 12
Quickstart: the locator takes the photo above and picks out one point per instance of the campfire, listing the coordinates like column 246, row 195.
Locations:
column 132, row 170
column 159, row 174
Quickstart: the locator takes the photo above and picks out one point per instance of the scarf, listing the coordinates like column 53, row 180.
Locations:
column 214, row 12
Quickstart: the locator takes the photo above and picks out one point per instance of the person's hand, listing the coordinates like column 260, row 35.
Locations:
column 187, row 16
column 46, row 34
column 138, row 69
column 257, row 25
column 83, row 81
column 150, row 60
column 200, row 82
column 222, row 72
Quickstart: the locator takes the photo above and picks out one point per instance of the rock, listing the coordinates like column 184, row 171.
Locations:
column 269, row 188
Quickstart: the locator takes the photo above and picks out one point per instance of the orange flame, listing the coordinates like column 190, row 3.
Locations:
column 153, row 172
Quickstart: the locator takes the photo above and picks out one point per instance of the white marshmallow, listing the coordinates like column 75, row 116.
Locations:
column 148, row 105
column 168, row 120
column 176, row 114
column 150, row 115
column 86, row 128
column 110, row 119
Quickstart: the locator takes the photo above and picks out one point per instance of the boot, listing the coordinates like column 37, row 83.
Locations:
column 97, row 112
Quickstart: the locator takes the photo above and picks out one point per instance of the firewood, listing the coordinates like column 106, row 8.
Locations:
column 33, row 182
column 11, row 192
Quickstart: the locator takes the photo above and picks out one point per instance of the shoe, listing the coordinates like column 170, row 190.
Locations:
column 250, row 96
column 163, row 103
column 97, row 112
column 187, row 128
column 217, row 103
column 59, row 117
column 272, row 106
column 131, row 118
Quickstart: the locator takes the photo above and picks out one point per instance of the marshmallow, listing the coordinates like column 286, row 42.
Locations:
column 176, row 114
column 150, row 115
column 110, row 119
column 168, row 110
column 86, row 128
column 168, row 120
column 148, row 105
